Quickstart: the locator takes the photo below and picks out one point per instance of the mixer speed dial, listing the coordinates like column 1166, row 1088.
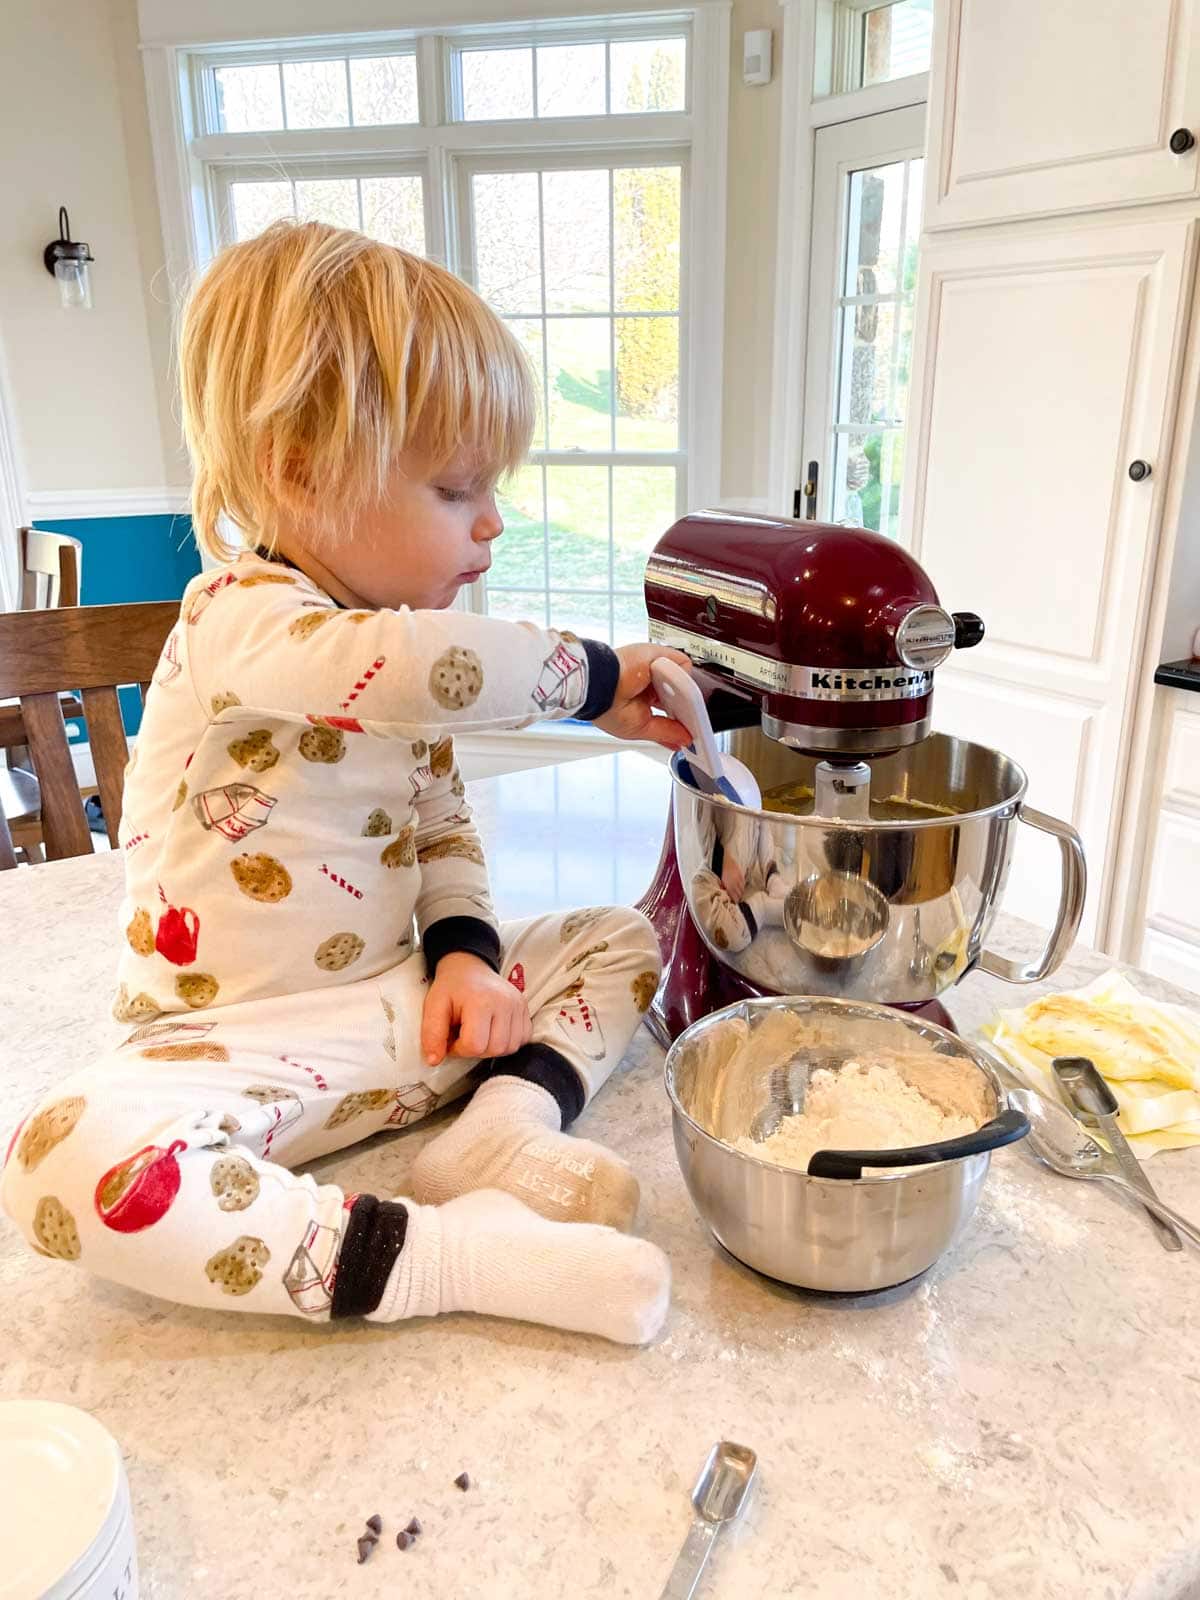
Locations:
column 925, row 637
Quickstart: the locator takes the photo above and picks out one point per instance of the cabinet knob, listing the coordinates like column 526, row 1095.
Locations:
column 1138, row 470
column 1181, row 141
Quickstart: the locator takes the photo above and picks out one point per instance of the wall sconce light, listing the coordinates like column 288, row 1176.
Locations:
column 67, row 261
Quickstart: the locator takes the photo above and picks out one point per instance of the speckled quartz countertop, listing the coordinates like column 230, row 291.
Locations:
column 1021, row 1423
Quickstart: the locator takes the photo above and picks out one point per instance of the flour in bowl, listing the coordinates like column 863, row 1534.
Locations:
column 866, row 1105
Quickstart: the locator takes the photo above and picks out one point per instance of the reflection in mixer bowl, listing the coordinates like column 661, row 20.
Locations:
column 894, row 908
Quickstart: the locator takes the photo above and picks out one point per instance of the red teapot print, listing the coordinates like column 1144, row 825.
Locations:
column 138, row 1191
column 178, row 935
column 517, row 978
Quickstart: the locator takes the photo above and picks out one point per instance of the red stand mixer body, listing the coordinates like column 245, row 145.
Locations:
column 825, row 636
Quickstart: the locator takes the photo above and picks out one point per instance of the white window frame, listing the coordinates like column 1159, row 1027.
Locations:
column 192, row 167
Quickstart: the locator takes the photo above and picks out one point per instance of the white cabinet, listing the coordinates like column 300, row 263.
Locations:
column 1046, row 363
column 1043, row 106
column 1171, row 945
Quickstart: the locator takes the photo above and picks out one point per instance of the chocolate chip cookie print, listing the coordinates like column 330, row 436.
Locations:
column 323, row 744
column 339, row 951
column 378, row 824
column 234, row 1183
column 456, row 678
column 54, row 1230
column 255, row 750
column 224, row 702
column 402, row 852
column 644, row 987
column 305, row 625
column 578, row 921
column 48, row 1128
column 441, row 758
column 140, row 933
column 356, row 1105
column 197, row 989
column 456, row 845
column 236, row 1269
column 128, row 1007
column 261, row 877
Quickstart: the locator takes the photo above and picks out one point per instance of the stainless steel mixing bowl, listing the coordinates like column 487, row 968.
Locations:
column 934, row 854
column 737, row 1072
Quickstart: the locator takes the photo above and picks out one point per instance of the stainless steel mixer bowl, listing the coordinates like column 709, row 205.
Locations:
column 839, row 1235
column 939, row 872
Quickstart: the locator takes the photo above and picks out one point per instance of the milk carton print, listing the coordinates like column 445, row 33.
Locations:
column 413, row 1101
column 234, row 810
column 169, row 666
column 560, row 680
column 312, row 1270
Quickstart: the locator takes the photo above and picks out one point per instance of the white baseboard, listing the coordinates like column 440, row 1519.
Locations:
column 41, row 504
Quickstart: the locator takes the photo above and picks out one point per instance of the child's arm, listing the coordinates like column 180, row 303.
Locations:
column 272, row 639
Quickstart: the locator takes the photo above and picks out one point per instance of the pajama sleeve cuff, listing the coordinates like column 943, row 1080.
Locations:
column 603, row 671
column 470, row 935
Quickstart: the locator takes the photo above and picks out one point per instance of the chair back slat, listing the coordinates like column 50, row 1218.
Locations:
column 7, row 854
column 93, row 649
column 106, row 735
column 51, row 569
column 64, row 825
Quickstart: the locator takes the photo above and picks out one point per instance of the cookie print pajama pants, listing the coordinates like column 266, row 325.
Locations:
column 168, row 1164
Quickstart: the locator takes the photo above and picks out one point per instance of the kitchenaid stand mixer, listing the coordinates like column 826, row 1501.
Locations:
column 877, row 866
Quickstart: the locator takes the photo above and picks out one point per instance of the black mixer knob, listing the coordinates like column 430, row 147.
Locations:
column 968, row 630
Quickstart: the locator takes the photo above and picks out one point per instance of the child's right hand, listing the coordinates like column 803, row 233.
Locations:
column 631, row 715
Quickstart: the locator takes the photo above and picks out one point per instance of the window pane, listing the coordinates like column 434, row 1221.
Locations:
column 577, row 508
column 248, row 98
column 255, row 205
column 585, row 613
column 867, row 475
column 580, row 366
column 393, row 209
column 316, row 94
column 648, row 75
column 647, row 383
column 646, row 255
column 496, row 84
column 518, row 555
column 383, row 89
column 876, row 200
column 865, row 387
column 644, row 507
column 575, row 207
column 507, row 252
column 529, row 336
column 570, row 80
column 896, row 41
column 912, row 223
column 527, row 606
column 332, row 200
column 632, row 623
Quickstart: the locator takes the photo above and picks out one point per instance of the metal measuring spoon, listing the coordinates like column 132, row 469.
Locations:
column 1094, row 1100
column 719, row 1497
column 1059, row 1143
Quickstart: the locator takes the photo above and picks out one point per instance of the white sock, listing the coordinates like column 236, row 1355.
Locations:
column 487, row 1253
column 765, row 908
column 509, row 1138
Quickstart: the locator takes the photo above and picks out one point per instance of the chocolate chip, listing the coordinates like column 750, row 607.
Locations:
column 375, row 1524
column 462, row 1482
column 404, row 1539
column 414, row 1527
column 365, row 1546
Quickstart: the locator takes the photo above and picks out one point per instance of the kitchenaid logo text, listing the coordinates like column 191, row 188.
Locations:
column 866, row 683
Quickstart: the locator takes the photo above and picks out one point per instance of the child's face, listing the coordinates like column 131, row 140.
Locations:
column 420, row 545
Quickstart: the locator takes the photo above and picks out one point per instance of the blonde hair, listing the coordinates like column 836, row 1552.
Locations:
column 313, row 355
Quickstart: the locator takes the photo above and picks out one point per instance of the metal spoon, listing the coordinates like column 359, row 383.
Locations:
column 1062, row 1145
column 1094, row 1101
column 719, row 1497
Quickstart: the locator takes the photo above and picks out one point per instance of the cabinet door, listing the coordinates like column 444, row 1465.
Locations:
column 1040, row 106
column 1046, row 364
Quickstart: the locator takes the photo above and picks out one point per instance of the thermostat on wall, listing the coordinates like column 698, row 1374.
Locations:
column 756, row 57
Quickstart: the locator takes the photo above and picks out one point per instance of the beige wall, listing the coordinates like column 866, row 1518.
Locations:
column 754, row 116
column 84, row 390
column 93, row 393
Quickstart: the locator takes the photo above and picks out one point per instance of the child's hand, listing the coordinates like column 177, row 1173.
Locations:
column 472, row 1011
column 631, row 715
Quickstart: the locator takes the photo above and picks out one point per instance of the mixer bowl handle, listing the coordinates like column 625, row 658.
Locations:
column 1070, row 905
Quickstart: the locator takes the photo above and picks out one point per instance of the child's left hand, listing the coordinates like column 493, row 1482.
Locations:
column 472, row 1011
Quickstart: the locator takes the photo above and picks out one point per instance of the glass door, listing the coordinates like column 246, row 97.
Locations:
column 863, row 272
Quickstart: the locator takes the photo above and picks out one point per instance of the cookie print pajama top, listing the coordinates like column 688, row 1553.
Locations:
column 293, row 822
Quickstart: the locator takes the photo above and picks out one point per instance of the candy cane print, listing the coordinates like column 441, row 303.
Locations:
column 362, row 682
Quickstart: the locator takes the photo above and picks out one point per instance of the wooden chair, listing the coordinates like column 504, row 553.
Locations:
column 51, row 573
column 92, row 649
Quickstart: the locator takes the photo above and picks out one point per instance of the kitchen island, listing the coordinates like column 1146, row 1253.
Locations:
column 1020, row 1423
